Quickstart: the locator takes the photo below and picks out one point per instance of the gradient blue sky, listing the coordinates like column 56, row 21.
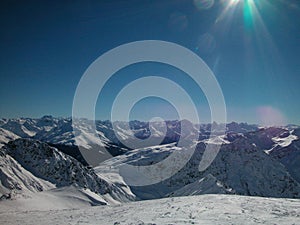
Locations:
column 252, row 47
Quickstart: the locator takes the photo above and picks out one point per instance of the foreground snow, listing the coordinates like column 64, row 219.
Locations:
column 204, row 209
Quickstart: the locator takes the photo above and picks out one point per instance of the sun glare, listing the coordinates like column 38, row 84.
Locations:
column 233, row 2
column 248, row 13
column 232, row 5
column 256, row 32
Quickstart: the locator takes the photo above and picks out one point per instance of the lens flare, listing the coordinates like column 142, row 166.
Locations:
column 204, row 4
column 270, row 116
column 248, row 13
column 234, row 1
column 258, row 42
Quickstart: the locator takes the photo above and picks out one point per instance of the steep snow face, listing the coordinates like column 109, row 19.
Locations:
column 6, row 136
column 240, row 167
column 14, row 179
column 49, row 164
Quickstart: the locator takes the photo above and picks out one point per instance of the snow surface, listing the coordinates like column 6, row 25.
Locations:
column 6, row 136
column 207, row 185
column 286, row 141
column 14, row 179
column 203, row 209
column 68, row 197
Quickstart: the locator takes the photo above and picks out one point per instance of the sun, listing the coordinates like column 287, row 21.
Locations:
column 248, row 7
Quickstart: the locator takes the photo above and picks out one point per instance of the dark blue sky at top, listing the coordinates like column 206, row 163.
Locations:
column 46, row 46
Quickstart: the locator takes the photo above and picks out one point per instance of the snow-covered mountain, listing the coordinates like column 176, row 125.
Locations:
column 206, row 185
column 289, row 156
column 252, row 161
column 6, row 136
column 17, row 180
column 60, row 131
column 42, row 169
column 240, row 168
column 19, row 127
column 28, row 165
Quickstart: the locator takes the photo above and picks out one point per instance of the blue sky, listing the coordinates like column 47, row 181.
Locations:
column 252, row 46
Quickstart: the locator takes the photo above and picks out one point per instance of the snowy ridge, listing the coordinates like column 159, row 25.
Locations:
column 240, row 167
column 60, row 131
column 252, row 161
column 21, row 127
column 14, row 179
column 6, row 136
column 47, row 163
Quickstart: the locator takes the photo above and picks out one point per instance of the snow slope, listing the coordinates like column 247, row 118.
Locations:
column 6, row 136
column 240, row 167
column 203, row 209
column 14, row 179
column 68, row 197
column 206, row 185
column 21, row 127
column 34, row 161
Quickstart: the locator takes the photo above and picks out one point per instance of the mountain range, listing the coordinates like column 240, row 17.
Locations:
column 42, row 156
